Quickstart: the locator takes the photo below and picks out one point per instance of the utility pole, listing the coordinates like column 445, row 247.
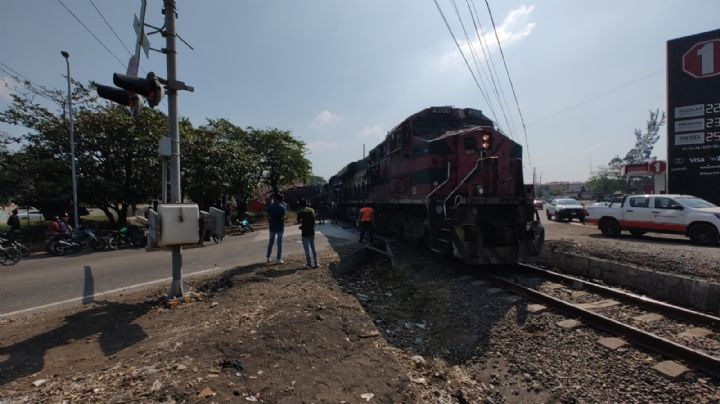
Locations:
column 72, row 142
column 534, row 176
column 177, row 287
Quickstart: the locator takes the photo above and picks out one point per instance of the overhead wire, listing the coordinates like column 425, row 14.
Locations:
column 38, row 89
column 487, row 55
column 452, row 34
column 595, row 97
column 90, row 32
column 477, row 65
column 111, row 28
column 512, row 87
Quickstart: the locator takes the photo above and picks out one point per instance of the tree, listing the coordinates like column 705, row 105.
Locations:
column 116, row 153
column 316, row 180
column 281, row 157
column 645, row 141
column 605, row 182
column 7, row 189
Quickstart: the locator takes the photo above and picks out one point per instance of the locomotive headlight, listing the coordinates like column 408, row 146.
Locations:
column 480, row 190
column 486, row 141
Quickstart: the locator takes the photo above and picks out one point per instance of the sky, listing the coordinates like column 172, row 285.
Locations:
column 339, row 74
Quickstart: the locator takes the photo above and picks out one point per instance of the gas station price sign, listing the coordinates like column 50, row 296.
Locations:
column 693, row 110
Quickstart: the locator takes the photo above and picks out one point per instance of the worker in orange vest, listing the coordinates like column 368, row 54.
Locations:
column 365, row 217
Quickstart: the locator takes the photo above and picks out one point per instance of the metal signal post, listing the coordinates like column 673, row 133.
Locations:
column 177, row 287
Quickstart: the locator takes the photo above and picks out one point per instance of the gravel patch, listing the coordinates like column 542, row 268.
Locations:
column 661, row 252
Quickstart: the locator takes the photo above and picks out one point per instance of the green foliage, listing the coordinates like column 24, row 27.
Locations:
column 645, row 141
column 604, row 183
column 117, row 159
column 316, row 180
column 281, row 157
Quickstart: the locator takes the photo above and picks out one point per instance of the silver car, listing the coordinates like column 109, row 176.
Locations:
column 565, row 208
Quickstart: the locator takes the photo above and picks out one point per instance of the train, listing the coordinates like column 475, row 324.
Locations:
column 446, row 177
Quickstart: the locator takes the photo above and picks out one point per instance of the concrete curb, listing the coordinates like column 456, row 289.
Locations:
column 676, row 289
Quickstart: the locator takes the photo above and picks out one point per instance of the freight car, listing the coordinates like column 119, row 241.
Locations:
column 446, row 176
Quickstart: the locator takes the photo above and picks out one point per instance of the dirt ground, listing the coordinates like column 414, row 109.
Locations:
column 273, row 333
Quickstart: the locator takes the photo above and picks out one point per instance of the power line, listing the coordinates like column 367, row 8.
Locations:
column 90, row 32
column 595, row 97
column 479, row 32
column 477, row 65
column 512, row 87
column 111, row 28
column 13, row 72
column 452, row 34
column 487, row 65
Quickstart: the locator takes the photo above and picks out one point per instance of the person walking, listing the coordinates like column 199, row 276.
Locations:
column 276, row 220
column 365, row 217
column 14, row 223
column 306, row 218
column 333, row 212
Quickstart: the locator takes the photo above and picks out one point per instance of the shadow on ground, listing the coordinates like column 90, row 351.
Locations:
column 112, row 323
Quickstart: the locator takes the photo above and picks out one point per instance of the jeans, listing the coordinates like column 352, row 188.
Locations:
column 279, row 235
column 366, row 226
column 308, row 243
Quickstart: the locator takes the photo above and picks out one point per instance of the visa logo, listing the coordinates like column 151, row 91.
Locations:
column 696, row 160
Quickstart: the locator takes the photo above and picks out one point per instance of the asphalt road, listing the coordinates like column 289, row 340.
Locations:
column 43, row 281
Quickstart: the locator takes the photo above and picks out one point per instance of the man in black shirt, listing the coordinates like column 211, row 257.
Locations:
column 14, row 223
column 306, row 218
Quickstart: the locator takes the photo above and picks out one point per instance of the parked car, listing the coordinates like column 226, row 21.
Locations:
column 539, row 204
column 691, row 216
column 565, row 208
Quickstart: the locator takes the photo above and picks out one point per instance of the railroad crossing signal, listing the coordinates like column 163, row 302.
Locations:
column 703, row 59
column 132, row 90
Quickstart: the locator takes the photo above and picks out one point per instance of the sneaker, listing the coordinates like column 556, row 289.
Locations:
column 316, row 265
column 267, row 259
column 306, row 266
column 279, row 261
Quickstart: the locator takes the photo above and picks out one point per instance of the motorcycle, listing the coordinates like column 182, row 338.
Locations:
column 127, row 236
column 79, row 239
column 244, row 225
column 9, row 255
column 5, row 240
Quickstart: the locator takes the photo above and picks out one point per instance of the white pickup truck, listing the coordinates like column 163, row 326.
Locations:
column 677, row 214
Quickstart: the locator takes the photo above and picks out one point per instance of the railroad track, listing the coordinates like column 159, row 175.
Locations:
column 613, row 310
column 616, row 316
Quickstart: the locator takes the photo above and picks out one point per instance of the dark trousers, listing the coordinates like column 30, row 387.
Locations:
column 366, row 226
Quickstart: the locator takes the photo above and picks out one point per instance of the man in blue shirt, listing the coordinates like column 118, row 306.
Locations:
column 276, row 221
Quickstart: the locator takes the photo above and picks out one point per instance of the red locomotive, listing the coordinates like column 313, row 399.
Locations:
column 446, row 176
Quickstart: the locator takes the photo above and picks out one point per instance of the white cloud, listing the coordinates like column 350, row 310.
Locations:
column 374, row 132
column 320, row 146
column 514, row 27
column 325, row 118
column 7, row 86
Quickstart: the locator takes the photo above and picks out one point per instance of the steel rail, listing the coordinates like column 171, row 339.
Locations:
column 676, row 312
column 708, row 364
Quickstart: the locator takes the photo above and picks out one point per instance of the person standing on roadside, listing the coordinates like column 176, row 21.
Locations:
column 14, row 223
column 276, row 220
column 365, row 218
column 306, row 218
